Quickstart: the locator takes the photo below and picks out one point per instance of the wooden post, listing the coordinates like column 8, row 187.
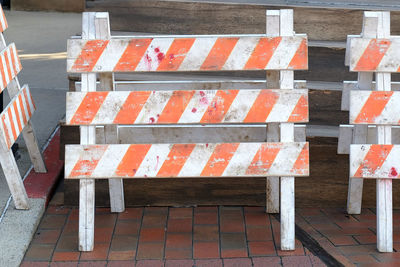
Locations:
column 272, row 183
column 116, row 187
column 384, row 186
column 88, row 136
column 354, row 193
column 287, row 135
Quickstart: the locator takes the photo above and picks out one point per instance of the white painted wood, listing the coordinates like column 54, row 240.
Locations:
column 13, row 177
column 384, row 187
column 115, row 186
column 354, row 194
column 272, row 183
column 152, row 160
column 203, row 107
column 194, row 57
column 287, row 135
column 127, row 85
column 88, row 136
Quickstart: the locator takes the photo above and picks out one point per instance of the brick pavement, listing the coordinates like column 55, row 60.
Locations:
column 207, row 236
column 161, row 236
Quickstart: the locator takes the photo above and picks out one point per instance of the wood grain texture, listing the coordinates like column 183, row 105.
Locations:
column 186, row 107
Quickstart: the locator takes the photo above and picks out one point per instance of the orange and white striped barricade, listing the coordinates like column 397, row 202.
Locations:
column 15, row 118
column 375, row 51
column 89, row 108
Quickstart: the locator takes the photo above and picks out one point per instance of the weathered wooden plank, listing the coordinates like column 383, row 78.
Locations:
column 16, row 115
column 375, row 161
column 375, row 55
column 88, row 136
column 273, row 129
column 188, row 53
column 375, row 107
column 3, row 20
column 186, row 160
column 10, row 65
column 287, row 135
column 166, row 107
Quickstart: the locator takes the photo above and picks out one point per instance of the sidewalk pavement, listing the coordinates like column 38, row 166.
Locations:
column 40, row 38
column 210, row 236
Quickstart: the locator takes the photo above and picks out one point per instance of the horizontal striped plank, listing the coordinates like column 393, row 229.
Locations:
column 375, row 55
column 10, row 65
column 375, row 161
column 187, row 160
column 3, row 20
column 189, row 53
column 166, row 107
column 16, row 115
column 375, row 107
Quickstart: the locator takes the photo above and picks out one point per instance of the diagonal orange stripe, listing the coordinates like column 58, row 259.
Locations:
column 88, row 108
column 219, row 106
column 300, row 58
column 176, row 159
column 219, row 159
column 261, row 108
column 132, row 54
column 373, row 107
column 300, row 111
column 263, row 159
column 9, row 73
column 5, row 21
column 21, row 104
column 12, row 125
column 17, row 115
column 132, row 160
column 85, row 167
column 372, row 55
column 132, row 106
column 302, row 163
column 8, row 139
column 262, row 53
column 89, row 56
column 219, row 53
column 13, row 63
column 3, row 72
column 175, row 107
column 176, row 54
column 374, row 159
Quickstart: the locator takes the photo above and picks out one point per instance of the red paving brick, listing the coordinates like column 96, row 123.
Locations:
column 205, row 236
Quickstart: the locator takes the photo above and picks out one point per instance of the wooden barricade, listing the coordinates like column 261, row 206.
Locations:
column 15, row 118
column 374, row 51
column 280, row 52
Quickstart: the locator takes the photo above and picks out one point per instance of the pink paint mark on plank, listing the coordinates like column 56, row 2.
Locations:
column 148, row 61
column 393, row 172
column 194, row 110
column 152, row 120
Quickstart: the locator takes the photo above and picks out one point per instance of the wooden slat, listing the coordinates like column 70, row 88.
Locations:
column 375, row 55
column 375, row 107
column 186, row 160
column 10, row 65
column 16, row 115
column 189, row 53
column 375, row 161
column 3, row 20
column 166, row 107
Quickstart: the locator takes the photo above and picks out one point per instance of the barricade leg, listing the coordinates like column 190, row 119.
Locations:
column 13, row 178
column 86, row 214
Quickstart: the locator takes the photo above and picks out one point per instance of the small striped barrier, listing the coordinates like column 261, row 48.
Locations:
column 15, row 119
column 375, row 50
column 96, row 54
